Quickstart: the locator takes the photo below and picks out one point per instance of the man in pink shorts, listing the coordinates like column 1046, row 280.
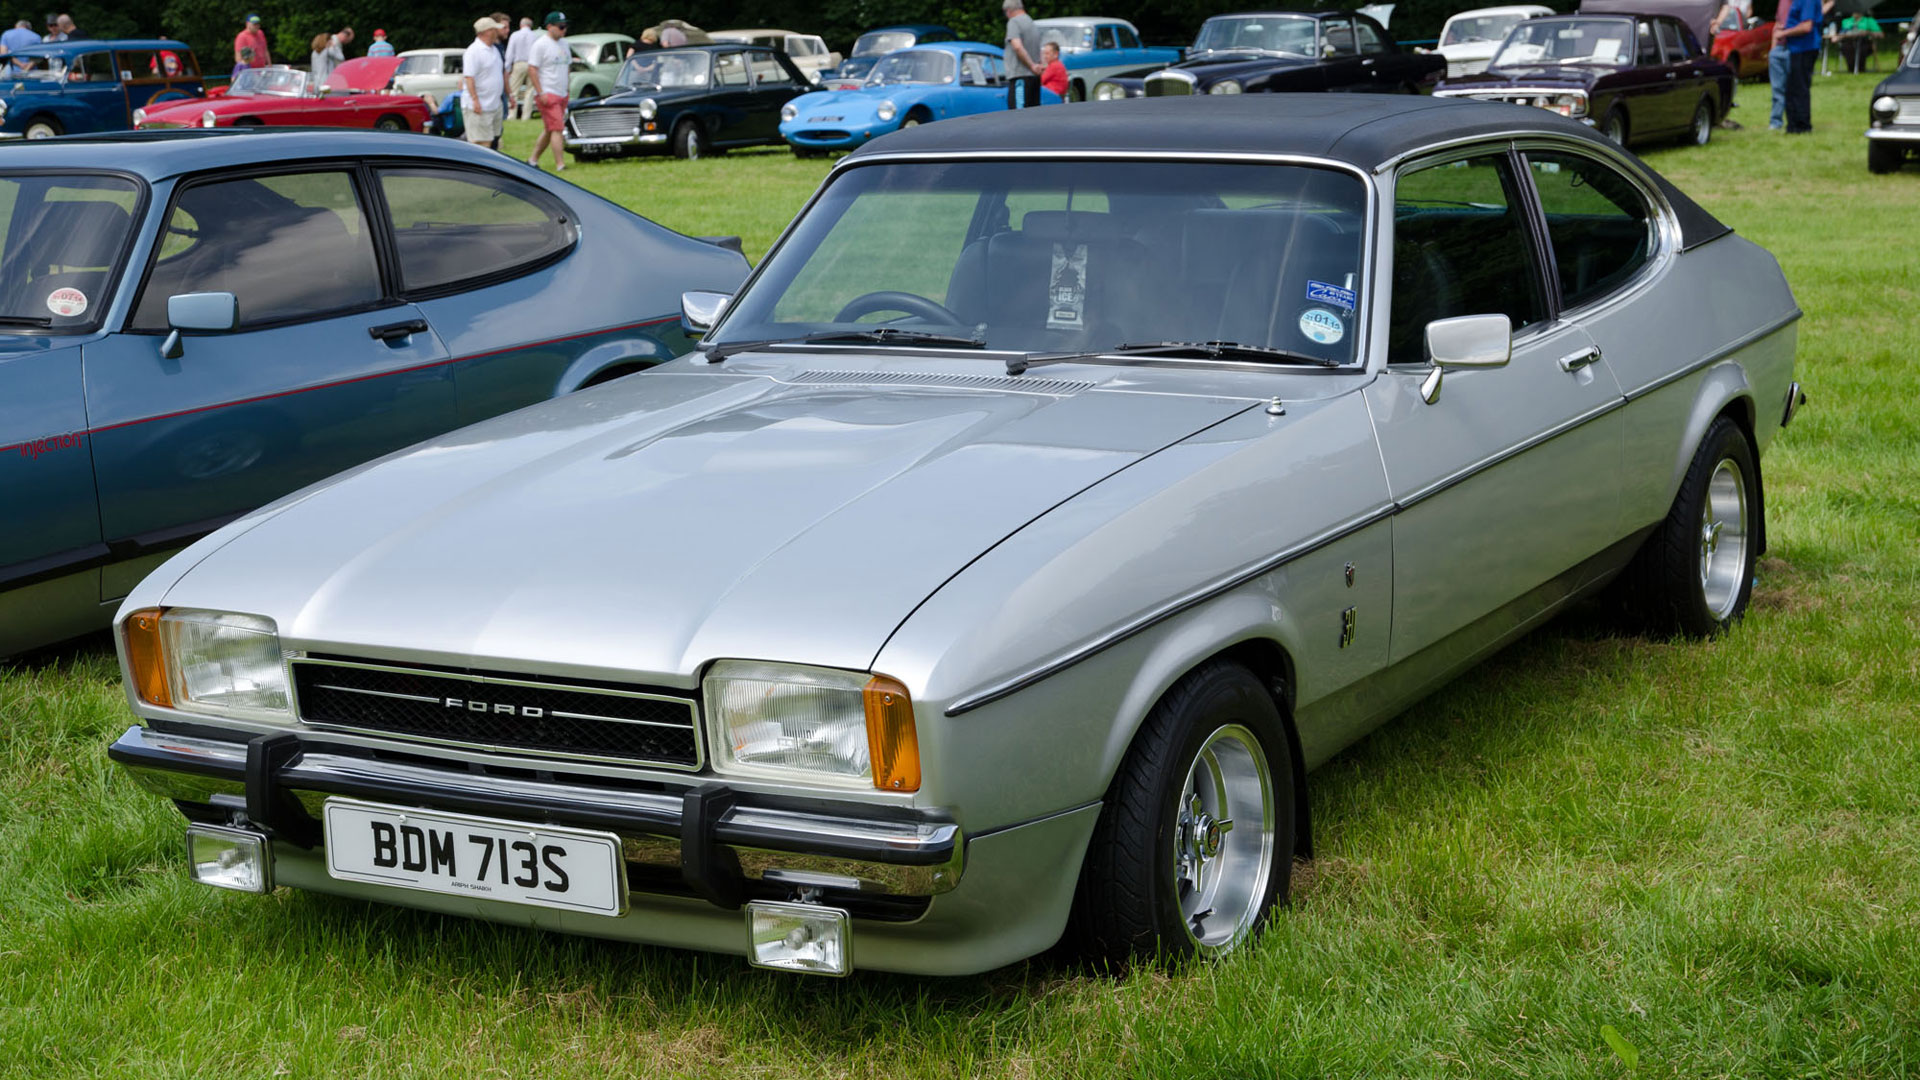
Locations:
column 548, row 65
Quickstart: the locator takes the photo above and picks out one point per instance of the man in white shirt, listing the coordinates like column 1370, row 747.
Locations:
column 550, row 63
column 518, row 48
column 483, row 78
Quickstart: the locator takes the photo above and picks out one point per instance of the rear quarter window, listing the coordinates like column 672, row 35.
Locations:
column 453, row 226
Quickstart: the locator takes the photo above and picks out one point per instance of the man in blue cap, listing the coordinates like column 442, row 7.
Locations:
column 253, row 39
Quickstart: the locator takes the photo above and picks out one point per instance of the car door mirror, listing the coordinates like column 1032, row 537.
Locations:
column 700, row 310
column 1468, row 341
column 202, row 311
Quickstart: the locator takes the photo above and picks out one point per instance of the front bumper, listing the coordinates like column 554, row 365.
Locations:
column 603, row 143
column 1895, row 134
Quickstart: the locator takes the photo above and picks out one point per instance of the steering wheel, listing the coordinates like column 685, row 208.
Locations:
column 892, row 300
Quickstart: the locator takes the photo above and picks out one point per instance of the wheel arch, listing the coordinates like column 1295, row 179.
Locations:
column 609, row 360
column 1724, row 391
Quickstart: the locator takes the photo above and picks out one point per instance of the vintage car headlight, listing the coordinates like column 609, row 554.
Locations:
column 1884, row 106
column 139, row 115
column 1106, row 91
column 788, row 112
column 1224, row 86
column 885, row 111
column 1570, row 105
column 815, row 725
column 649, row 108
column 214, row 662
column 207, row 119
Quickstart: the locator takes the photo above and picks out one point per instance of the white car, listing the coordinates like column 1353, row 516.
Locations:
column 430, row 73
column 808, row 52
column 1469, row 39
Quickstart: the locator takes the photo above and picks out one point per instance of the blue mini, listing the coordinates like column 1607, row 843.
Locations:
column 906, row 88
column 77, row 87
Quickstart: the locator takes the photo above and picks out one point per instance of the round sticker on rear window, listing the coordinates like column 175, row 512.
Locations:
column 67, row 303
column 1322, row 327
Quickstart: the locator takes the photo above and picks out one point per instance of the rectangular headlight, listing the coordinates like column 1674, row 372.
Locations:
column 214, row 662
column 816, row 725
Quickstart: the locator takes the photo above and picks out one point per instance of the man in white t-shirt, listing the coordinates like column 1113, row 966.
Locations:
column 518, row 46
column 483, row 79
column 549, row 64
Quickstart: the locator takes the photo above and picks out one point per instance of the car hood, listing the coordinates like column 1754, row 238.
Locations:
column 1573, row 75
column 665, row 520
column 364, row 74
column 846, row 105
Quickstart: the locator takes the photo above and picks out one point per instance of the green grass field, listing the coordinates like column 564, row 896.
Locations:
column 1594, row 856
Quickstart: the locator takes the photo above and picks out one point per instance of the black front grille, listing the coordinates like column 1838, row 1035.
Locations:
column 823, row 134
column 526, row 714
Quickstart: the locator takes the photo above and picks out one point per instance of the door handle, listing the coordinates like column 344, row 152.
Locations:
column 391, row 332
column 1574, row 361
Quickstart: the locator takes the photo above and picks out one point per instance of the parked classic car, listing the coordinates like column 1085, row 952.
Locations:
column 691, row 101
column 808, row 52
column 598, row 59
column 907, row 88
column 1634, row 77
column 1893, row 125
column 1286, row 51
column 431, row 74
column 869, row 47
column 320, row 325
column 354, row 96
column 1062, row 491
column 1093, row 47
column 76, row 87
column 1745, row 50
column 1468, row 40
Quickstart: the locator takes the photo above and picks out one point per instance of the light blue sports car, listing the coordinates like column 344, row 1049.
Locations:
column 906, row 88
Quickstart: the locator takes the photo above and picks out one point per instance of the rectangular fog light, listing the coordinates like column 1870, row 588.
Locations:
column 229, row 858
column 799, row 937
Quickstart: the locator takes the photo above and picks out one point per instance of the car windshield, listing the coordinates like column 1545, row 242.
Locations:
column 268, row 82
column 38, row 68
column 61, row 246
column 1069, row 39
column 1262, row 33
column 1607, row 42
column 668, row 70
column 424, row 64
column 881, row 41
column 1071, row 256
column 1465, row 29
column 915, row 67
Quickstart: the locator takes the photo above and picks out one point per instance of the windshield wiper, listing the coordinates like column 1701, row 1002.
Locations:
column 1212, row 350
column 882, row 335
column 42, row 321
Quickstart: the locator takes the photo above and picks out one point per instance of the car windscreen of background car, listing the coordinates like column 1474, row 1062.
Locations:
column 1040, row 256
column 924, row 67
column 1568, row 41
column 61, row 247
column 667, row 70
column 1271, row 33
column 876, row 44
column 1462, row 30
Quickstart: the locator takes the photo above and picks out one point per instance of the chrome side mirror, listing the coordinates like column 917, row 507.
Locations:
column 1468, row 341
column 700, row 310
column 206, row 311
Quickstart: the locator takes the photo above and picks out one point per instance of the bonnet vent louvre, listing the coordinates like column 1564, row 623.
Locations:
column 975, row 382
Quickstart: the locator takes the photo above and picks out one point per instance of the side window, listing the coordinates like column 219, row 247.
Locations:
column 1370, row 42
column 1103, row 38
column 453, row 224
column 1459, row 248
column 766, row 70
column 973, row 70
column 1337, row 37
column 1600, row 226
column 1670, row 41
column 1128, row 39
column 293, row 246
column 996, row 75
column 730, row 69
column 453, row 62
column 1649, row 55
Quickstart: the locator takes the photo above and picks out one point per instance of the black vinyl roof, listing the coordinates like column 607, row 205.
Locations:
column 1365, row 130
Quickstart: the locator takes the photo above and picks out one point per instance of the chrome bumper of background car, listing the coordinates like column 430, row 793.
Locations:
column 616, row 140
column 1896, row 134
column 717, row 839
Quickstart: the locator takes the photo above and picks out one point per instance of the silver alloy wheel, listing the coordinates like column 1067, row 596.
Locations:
column 1616, row 129
column 694, row 149
column 912, row 121
column 1702, row 124
column 1223, row 839
column 1723, row 538
column 41, row 129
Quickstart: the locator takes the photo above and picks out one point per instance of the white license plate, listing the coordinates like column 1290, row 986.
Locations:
column 542, row 865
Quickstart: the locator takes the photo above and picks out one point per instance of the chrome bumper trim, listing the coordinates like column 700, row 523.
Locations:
column 616, row 140
column 897, row 857
column 1911, row 134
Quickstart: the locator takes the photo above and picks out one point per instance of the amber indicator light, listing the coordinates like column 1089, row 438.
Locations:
column 892, row 745
column 145, row 660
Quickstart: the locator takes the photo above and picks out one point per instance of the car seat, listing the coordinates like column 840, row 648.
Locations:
column 1065, row 280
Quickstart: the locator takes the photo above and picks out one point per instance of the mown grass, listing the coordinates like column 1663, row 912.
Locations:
column 1711, row 849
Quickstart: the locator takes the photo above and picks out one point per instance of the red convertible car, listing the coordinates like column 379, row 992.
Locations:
column 1745, row 51
column 355, row 95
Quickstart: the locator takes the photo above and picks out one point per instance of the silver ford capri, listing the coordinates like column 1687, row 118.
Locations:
column 1062, row 489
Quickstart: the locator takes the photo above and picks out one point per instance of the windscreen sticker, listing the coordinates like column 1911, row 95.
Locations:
column 1322, row 327
column 1319, row 292
column 1067, row 288
column 67, row 302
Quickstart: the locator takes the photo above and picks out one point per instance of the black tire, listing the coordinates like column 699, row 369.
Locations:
column 1700, row 133
column 1616, row 128
column 1129, row 900
column 1077, row 91
column 44, row 127
column 807, row 152
column 915, row 119
column 249, row 121
column 390, row 122
column 1884, row 157
column 689, row 142
column 1681, row 582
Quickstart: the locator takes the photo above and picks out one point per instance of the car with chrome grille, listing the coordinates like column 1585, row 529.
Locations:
column 1893, row 127
column 1060, row 491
